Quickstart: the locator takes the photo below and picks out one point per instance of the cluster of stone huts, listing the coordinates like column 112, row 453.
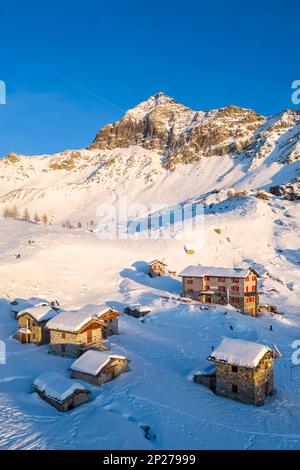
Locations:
column 80, row 335
column 241, row 370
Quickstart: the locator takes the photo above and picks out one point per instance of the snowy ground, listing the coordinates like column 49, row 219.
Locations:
column 76, row 268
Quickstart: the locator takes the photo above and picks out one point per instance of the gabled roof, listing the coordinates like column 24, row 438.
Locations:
column 139, row 308
column 239, row 353
column 92, row 362
column 157, row 261
column 39, row 313
column 18, row 304
column 72, row 322
column 200, row 271
column 97, row 310
column 56, row 386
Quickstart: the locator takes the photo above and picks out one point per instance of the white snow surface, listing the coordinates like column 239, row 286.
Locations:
column 239, row 352
column 78, row 269
column 56, row 386
column 92, row 362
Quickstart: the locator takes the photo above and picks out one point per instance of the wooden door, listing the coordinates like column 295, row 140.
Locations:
column 89, row 336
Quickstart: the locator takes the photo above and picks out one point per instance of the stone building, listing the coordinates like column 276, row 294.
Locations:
column 243, row 371
column 109, row 315
column 137, row 310
column 59, row 391
column 157, row 268
column 73, row 333
column 237, row 287
column 32, row 324
column 98, row 367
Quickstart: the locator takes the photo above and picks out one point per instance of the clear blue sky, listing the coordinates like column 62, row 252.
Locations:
column 72, row 66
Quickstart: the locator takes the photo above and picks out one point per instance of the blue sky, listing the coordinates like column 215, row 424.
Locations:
column 70, row 67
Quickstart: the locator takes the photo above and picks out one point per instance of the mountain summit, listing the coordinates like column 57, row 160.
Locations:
column 178, row 132
column 161, row 150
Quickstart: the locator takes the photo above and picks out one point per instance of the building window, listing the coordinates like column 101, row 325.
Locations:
column 236, row 288
column 190, row 291
column 253, row 288
column 222, row 289
column 235, row 389
column 221, row 279
column 234, row 369
column 235, row 279
column 247, row 289
column 207, row 287
column 63, row 348
column 253, row 278
column 247, row 278
column 190, row 281
column 63, row 335
column 207, row 278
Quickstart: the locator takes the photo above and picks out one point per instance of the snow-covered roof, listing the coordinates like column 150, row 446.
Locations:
column 239, row 352
column 56, row 386
column 24, row 330
column 17, row 305
column 95, row 310
column 72, row 321
column 39, row 313
column 139, row 308
column 92, row 362
column 208, row 370
column 200, row 271
column 157, row 261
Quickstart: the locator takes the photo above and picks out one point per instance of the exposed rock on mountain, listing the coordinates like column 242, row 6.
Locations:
column 290, row 191
column 163, row 152
column 177, row 132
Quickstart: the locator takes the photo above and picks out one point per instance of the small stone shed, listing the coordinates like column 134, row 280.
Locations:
column 157, row 268
column 107, row 314
column 244, row 371
column 137, row 310
column 59, row 391
column 98, row 367
column 32, row 324
column 73, row 333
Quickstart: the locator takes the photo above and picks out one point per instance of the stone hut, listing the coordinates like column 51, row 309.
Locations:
column 73, row 333
column 137, row 310
column 98, row 367
column 243, row 371
column 59, row 391
column 32, row 324
column 109, row 315
column 157, row 268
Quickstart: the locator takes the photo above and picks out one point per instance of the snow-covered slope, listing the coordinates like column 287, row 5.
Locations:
column 160, row 151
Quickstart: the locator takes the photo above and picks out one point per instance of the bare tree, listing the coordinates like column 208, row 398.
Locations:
column 6, row 213
column 45, row 219
column 26, row 215
column 36, row 218
column 14, row 212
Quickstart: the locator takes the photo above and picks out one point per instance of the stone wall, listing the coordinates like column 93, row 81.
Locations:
column 73, row 343
column 39, row 334
column 112, row 370
column 78, row 398
column 253, row 384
